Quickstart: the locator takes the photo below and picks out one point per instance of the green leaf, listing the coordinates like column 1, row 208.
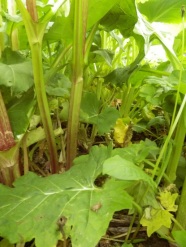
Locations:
column 141, row 188
column 180, row 237
column 124, row 12
column 59, row 86
column 127, row 245
column 136, row 153
column 5, row 243
column 58, row 31
column 104, row 6
column 107, row 119
column 162, row 11
column 90, row 113
column 32, row 208
column 9, row 158
column 119, row 76
column 106, row 55
column 123, row 169
column 154, row 219
column 20, row 112
column 18, row 76
column 168, row 200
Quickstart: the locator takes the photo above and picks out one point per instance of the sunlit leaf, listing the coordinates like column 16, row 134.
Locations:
column 168, row 200
column 120, row 130
column 32, row 208
column 155, row 219
column 162, row 11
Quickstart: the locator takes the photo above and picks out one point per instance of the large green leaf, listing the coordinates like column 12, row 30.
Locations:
column 32, row 208
column 122, row 16
column 62, row 28
column 162, row 11
column 94, row 14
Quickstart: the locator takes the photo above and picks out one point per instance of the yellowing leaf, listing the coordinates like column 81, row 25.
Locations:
column 155, row 219
column 120, row 130
column 168, row 200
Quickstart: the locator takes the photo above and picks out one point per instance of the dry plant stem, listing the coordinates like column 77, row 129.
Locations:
column 80, row 20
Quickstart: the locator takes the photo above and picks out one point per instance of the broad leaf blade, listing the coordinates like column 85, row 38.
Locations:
column 162, row 11
column 32, row 208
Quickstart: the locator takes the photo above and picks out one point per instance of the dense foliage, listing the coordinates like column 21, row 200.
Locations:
column 91, row 120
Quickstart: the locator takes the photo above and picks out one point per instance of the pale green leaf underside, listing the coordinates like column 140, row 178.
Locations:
column 32, row 208
column 125, row 170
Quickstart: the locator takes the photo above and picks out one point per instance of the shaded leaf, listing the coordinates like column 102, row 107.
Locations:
column 106, row 55
column 20, row 112
column 90, row 113
column 123, row 12
column 141, row 188
column 104, row 6
column 17, row 76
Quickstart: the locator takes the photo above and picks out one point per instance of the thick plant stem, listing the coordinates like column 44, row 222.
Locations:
column 177, row 148
column 35, row 31
column 43, row 104
column 80, row 19
column 181, row 213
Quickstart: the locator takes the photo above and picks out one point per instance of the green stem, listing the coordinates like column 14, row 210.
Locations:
column 80, row 19
column 164, row 148
column 35, row 33
column 1, row 33
column 181, row 213
column 177, row 148
column 43, row 104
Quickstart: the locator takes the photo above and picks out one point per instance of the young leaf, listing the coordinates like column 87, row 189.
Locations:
column 168, row 200
column 32, row 208
column 155, row 219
